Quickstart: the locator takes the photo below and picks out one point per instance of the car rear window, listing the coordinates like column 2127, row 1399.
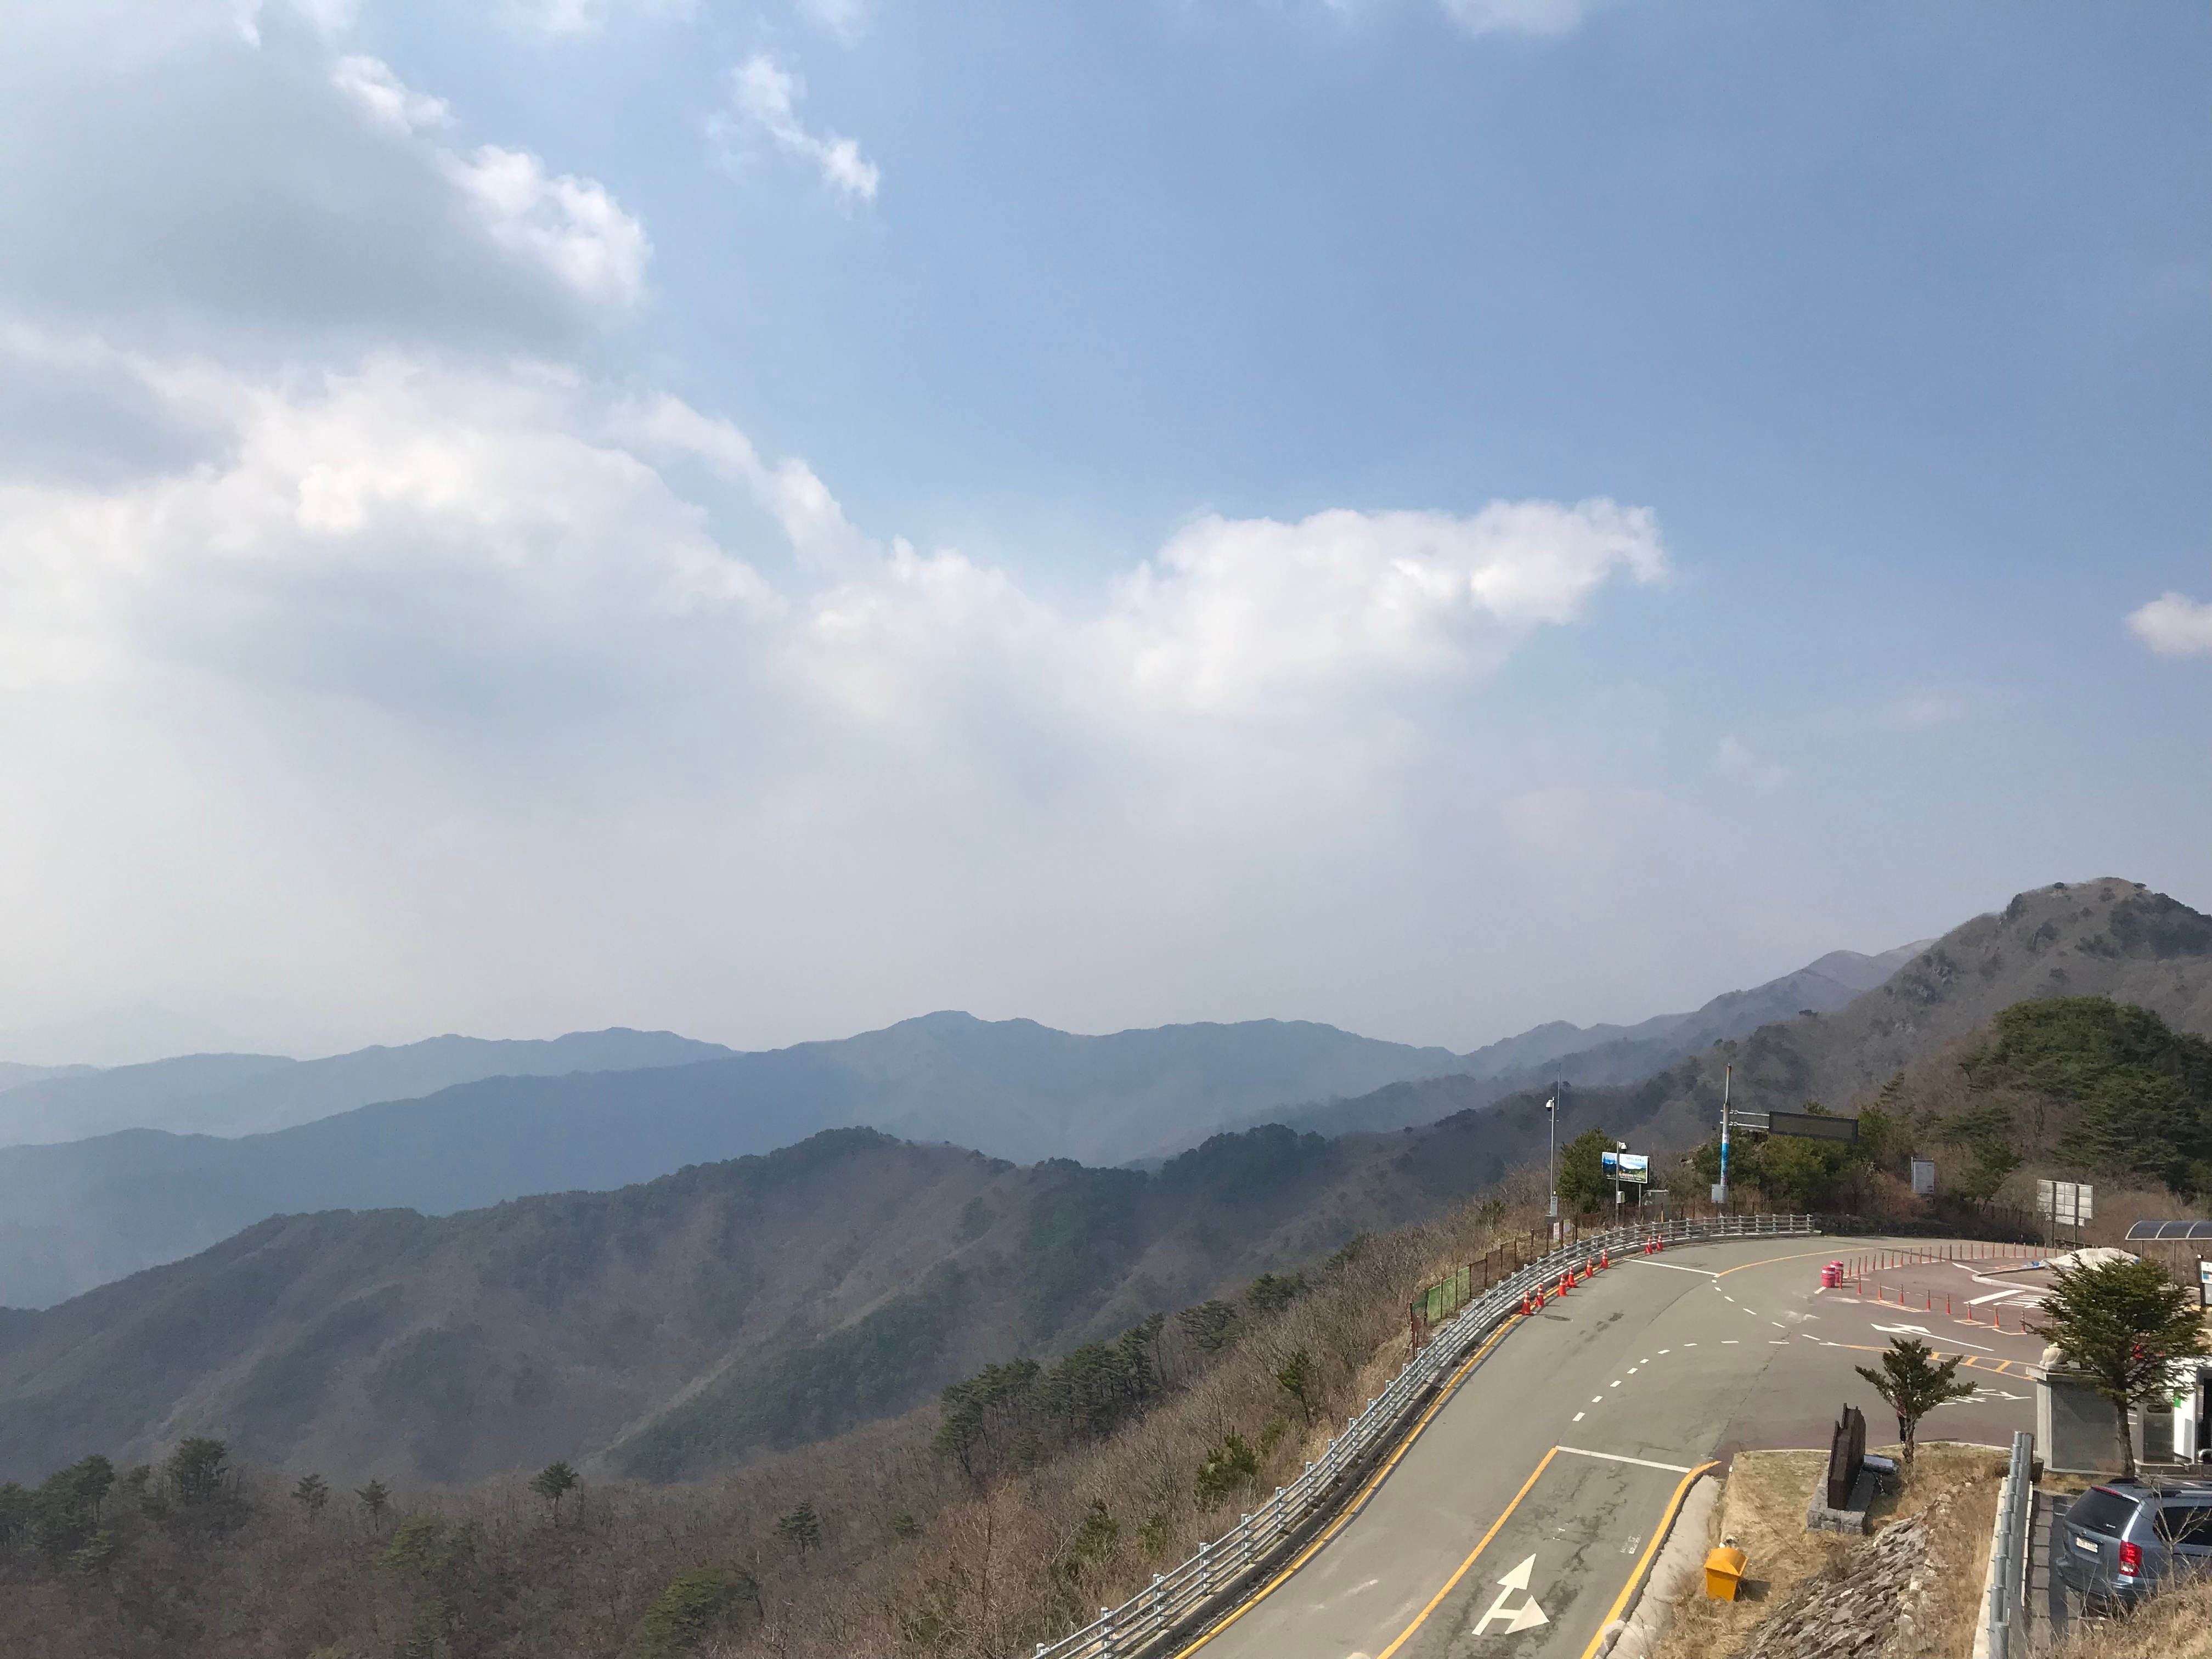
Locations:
column 2185, row 1523
column 2101, row 1510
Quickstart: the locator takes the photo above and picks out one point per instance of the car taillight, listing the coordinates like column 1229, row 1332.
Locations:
column 2132, row 1558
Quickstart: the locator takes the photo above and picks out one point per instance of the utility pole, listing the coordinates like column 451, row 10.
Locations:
column 1727, row 1076
column 1551, row 1165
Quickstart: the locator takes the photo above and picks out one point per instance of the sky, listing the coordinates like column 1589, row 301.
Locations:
column 765, row 519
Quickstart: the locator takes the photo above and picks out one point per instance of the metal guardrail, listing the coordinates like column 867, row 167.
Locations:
column 1212, row 1582
column 2004, row 1612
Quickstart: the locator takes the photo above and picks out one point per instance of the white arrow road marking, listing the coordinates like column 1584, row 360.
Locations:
column 1527, row 1616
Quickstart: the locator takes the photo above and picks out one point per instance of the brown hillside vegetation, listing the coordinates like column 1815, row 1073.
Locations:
column 721, row 1313
column 2175, row 1625
column 870, row 1544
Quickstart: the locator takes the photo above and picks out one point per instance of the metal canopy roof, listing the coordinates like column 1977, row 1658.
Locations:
column 2170, row 1229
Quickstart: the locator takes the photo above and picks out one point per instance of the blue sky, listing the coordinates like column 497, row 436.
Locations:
column 1427, row 514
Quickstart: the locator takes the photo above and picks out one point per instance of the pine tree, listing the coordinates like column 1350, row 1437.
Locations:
column 553, row 1483
column 311, row 1494
column 2123, row 1325
column 801, row 1529
column 1914, row 1382
column 375, row 1497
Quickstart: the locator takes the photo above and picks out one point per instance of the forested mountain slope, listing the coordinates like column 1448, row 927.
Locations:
column 699, row 1317
column 2111, row 938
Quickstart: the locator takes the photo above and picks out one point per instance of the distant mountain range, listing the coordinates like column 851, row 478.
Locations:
column 1594, row 1055
column 456, row 1122
column 738, row 1306
column 79, row 1213
column 249, row 1094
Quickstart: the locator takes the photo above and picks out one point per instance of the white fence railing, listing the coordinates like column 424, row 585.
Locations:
column 1179, row 1596
column 2004, row 1610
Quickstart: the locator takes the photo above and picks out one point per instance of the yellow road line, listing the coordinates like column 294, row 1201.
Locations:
column 1452, row 1583
column 1366, row 1491
column 1353, row 1508
column 1644, row 1561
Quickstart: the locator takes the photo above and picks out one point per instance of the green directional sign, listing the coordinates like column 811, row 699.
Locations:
column 1812, row 1126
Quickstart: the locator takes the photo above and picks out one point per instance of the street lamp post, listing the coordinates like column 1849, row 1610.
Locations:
column 1552, row 1164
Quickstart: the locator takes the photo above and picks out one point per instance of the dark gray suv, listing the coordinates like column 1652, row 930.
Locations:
column 2120, row 1542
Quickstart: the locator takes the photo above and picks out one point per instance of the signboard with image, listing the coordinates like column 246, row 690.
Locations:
column 1633, row 1169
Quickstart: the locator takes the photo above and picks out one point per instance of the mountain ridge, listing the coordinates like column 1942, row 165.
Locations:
column 81, row 1212
column 236, row 1094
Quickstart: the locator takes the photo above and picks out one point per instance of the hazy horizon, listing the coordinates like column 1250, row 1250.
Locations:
column 762, row 520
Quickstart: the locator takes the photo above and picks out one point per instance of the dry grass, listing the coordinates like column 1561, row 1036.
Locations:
column 2175, row 1625
column 1762, row 1507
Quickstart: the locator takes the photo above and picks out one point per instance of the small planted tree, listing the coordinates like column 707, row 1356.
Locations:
column 553, row 1483
column 1913, row 1382
column 2123, row 1325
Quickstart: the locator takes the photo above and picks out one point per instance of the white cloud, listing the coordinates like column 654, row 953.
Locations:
column 526, row 494
column 1536, row 17
column 146, row 147
column 370, row 83
column 469, row 700
column 573, row 226
column 848, row 20
column 764, row 99
column 574, row 17
column 2174, row 625
column 1233, row 612
column 1734, row 759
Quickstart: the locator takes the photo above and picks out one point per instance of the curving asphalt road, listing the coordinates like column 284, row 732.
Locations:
column 1516, row 1519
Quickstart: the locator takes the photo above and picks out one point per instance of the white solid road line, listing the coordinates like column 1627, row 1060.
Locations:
column 1646, row 1261
column 1615, row 1457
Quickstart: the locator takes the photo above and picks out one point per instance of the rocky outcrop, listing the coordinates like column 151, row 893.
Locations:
column 1869, row 1605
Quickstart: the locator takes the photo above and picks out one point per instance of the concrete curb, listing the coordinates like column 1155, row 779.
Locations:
column 1677, row 1575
